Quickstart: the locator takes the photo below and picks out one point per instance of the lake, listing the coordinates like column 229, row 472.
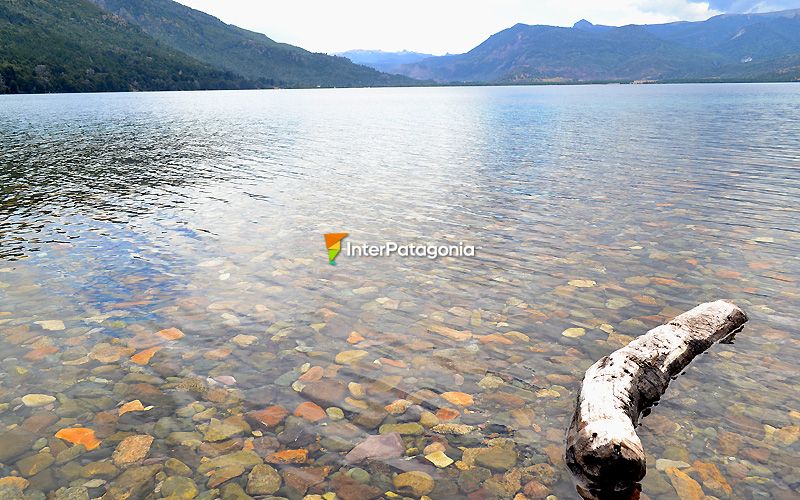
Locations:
column 163, row 274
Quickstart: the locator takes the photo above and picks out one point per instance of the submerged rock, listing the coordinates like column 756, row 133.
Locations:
column 218, row 476
column 325, row 392
column 686, row 487
column 263, row 480
column 245, row 459
column 377, row 448
column 15, row 442
column 175, row 467
column 348, row 488
column 415, row 482
column 32, row 465
column 135, row 482
column 132, row 449
column 350, row 357
column 459, row 398
column 221, row 430
column 36, row 400
column 410, row 429
column 496, row 458
column 439, row 459
column 268, row 417
column 179, row 487
column 79, row 435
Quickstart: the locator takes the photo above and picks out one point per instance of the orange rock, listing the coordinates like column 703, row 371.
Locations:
column 686, row 487
column 354, row 338
column 555, row 454
column 74, row 341
column 132, row 449
column 447, row 414
column 451, row 333
column 493, row 337
column 458, row 398
column 269, row 417
column 134, row 405
column 79, row 435
column 170, row 334
column 310, row 411
column 505, row 399
column 40, row 353
column 398, row 406
column 728, row 274
column 646, row 299
column 142, row 358
column 393, row 362
column 313, row 374
column 664, row 281
column 712, row 477
column 288, row 457
column 420, row 345
column 434, row 447
column 218, row 354
column 757, row 454
column 107, row 353
column 14, row 481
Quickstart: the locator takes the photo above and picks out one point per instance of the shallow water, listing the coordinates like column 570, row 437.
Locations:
column 122, row 215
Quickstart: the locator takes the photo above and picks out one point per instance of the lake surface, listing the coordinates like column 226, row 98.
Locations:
column 167, row 249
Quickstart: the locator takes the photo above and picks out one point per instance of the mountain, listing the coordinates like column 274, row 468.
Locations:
column 252, row 55
column 73, row 46
column 585, row 25
column 388, row 62
column 729, row 47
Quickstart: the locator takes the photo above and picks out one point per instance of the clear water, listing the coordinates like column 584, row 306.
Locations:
column 125, row 214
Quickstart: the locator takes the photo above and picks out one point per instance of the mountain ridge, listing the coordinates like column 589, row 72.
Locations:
column 85, row 46
column 89, row 51
column 251, row 54
column 386, row 61
column 695, row 51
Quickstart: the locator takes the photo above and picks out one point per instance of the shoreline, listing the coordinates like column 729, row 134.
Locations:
column 443, row 85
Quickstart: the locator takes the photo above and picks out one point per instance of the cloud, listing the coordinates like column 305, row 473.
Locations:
column 680, row 9
column 441, row 26
column 747, row 6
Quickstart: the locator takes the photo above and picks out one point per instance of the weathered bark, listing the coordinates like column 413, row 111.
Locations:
column 603, row 451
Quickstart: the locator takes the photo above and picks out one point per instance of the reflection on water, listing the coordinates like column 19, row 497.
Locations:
column 598, row 213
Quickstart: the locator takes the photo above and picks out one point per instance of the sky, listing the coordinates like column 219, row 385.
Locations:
column 442, row 26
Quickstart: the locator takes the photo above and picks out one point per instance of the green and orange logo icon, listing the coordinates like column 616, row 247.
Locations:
column 334, row 243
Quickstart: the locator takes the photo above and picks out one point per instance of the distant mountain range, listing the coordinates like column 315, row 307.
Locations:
column 123, row 45
column 747, row 47
column 388, row 62
column 131, row 45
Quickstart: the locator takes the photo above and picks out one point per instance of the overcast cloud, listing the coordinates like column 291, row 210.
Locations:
column 439, row 26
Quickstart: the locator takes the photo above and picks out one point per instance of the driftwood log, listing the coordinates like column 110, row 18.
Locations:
column 603, row 451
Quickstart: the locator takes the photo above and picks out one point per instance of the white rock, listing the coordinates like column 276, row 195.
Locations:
column 36, row 400
column 51, row 324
